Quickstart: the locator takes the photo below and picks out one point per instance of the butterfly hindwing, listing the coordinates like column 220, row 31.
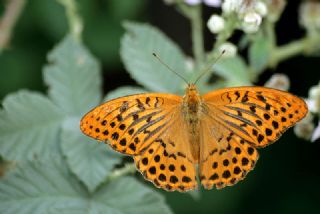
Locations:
column 168, row 162
column 224, row 157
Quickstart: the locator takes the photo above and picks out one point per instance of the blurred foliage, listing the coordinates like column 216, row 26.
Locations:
column 43, row 23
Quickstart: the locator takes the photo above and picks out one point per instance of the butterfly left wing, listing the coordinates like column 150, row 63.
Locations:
column 149, row 127
column 129, row 124
column 236, row 122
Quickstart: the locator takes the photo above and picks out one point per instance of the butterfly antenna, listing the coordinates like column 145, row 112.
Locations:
column 168, row 67
column 208, row 69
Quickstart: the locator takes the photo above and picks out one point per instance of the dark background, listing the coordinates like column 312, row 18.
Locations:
column 286, row 178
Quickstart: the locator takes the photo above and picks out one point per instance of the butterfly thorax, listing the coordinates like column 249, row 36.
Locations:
column 191, row 109
column 191, row 104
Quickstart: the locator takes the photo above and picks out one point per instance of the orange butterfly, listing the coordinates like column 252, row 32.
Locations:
column 169, row 135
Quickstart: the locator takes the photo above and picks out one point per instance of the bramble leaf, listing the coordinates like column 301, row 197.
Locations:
column 89, row 160
column 73, row 77
column 234, row 70
column 29, row 126
column 37, row 187
column 137, row 47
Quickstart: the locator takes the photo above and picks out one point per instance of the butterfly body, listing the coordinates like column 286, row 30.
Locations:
column 220, row 132
column 191, row 112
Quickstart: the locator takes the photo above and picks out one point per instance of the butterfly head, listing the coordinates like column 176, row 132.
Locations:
column 191, row 88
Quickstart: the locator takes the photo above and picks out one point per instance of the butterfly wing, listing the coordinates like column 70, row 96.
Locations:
column 149, row 127
column 168, row 162
column 236, row 122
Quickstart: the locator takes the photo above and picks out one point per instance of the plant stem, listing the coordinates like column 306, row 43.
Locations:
column 10, row 17
column 197, row 36
column 292, row 49
column 270, row 31
column 75, row 21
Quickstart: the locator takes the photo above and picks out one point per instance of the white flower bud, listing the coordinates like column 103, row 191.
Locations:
column 275, row 9
column 313, row 101
column 304, row 130
column 305, row 127
column 189, row 64
column 215, row 24
column 229, row 6
column 314, row 92
column 278, row 81
column 312, row 107
column 229, row 49
column 261, row 8
column 212, row 3
column 192, row 2
column 309, row 15
column 251, row 22
column 316, row 133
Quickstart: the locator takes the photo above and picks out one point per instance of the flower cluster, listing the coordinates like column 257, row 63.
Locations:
column 249, row 14
column 245, row 15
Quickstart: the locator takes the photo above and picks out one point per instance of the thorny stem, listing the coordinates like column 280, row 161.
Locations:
column 75, row 22
column 10, row 17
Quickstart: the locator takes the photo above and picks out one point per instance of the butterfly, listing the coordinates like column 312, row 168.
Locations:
column 177, row 140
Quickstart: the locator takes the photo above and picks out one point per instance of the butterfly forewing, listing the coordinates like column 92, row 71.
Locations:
column 235, row 122
column 130, row 123
column 258, row 115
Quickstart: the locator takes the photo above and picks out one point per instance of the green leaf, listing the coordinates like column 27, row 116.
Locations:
column 90, row 160
column 73, row 77
column 126, row 195
column 234, row 70
column 259, row 53
column 137, row 46
column 124, row 91
column 47, row 187
column 29, row 126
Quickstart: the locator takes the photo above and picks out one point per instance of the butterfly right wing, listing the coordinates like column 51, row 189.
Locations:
column 225, row 158
column 236, row 122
